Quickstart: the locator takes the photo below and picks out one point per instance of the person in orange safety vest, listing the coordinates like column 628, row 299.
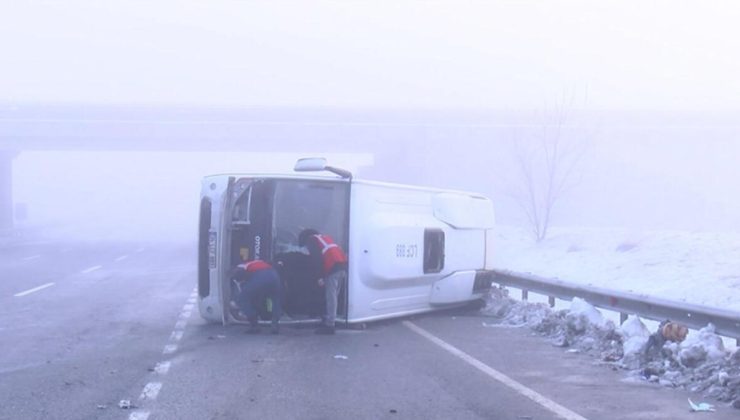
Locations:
column 257, row 281
column 329, row 264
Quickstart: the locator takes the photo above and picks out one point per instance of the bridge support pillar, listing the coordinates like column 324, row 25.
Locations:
column 6, row 189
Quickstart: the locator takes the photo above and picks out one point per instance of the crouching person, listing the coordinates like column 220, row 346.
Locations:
column 256, row 282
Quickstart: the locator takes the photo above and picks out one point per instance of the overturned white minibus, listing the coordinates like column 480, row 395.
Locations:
column 410, row 249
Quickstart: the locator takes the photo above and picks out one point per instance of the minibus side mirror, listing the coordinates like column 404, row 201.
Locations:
column 319, row 164
column 310, row 165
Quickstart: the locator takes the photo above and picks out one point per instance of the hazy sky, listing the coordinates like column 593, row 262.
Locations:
column 133, row 195
column 633, row 55
column 501, row 54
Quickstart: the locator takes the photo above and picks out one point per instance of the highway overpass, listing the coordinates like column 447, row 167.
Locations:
column 397, row 139
column 436, row 147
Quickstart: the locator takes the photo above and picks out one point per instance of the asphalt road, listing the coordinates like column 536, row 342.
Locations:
column 86, row 325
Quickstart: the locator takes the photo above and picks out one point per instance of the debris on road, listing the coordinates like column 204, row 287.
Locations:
column 125, row 405
column 701, row 407
column 102, row 406
column 217, row 337
column 341, row 357
column 668, row 331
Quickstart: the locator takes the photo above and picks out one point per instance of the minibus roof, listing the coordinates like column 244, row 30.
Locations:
column 275, row 176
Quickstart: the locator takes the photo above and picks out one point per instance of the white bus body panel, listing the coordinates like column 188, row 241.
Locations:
column 384, row 217
column 382, row 281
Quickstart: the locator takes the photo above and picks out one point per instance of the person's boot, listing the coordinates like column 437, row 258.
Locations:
column 325, row 330
column 254, row 326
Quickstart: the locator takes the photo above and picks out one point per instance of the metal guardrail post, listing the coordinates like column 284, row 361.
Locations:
column 525, row 295
column 551, row 301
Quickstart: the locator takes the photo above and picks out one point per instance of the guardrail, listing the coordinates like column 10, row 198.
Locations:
column 727, row 323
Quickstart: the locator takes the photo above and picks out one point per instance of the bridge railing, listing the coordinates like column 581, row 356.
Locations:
column 727, row 323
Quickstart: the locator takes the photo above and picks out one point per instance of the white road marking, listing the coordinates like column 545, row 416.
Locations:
column 151, row 391
column 91, row 269
column 548, row 404
column 188, row 307
column 32, row 257
column 192, row 300
column 139, row 415
column 162, row 368
column 35, row 289
column 121, row 258
column 186, row 314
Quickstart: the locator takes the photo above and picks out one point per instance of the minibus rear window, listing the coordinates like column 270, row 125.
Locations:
column 434, row 250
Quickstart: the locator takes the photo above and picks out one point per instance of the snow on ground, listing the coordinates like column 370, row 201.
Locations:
column 701, row 268
column 696, row 267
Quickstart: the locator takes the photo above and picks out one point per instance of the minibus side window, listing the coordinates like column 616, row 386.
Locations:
column 434, row 250
column 309, row 204
column 242, row 209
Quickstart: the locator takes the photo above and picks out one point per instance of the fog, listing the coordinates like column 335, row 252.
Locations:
column 501, row 54
column 652, row 89
column 154, row 195
column 134, row 196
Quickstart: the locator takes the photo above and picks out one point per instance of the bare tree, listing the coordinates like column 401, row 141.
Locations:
column 546, row 161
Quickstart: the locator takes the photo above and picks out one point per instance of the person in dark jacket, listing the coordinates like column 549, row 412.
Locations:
column 257, row 281
column 329, row 264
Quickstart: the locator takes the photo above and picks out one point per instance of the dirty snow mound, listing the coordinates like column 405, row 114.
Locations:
column 700, row 364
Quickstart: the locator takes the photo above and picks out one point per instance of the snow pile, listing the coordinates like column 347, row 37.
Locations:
column 700, row 364
column 581, row 328
column 635, row 336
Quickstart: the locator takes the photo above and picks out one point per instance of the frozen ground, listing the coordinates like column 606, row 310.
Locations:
column 696, row 267
column 700, row 268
